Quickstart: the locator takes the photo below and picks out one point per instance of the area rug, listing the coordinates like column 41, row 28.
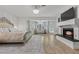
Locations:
column 33, row 46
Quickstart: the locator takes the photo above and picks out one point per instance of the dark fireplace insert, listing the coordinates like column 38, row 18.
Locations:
column 68, row 32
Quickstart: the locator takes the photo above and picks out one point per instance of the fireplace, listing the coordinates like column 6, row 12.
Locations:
column 68, row 32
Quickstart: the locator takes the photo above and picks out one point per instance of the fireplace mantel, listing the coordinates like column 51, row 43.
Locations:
column 74, row 21
column 70, row 23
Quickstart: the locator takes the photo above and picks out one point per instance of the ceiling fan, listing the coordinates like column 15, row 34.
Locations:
column 36, row 8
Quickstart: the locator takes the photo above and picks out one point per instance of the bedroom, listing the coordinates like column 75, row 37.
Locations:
column 32, row 26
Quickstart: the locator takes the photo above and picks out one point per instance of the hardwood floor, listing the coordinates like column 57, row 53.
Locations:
column 53, row 46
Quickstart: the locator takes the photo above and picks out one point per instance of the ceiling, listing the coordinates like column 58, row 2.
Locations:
column 26, row 10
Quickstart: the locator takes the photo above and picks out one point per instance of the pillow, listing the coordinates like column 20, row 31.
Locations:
column 1, row 30
column 5, row 30
column 13, row 29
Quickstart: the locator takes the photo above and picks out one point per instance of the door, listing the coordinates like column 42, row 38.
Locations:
column 42, row 27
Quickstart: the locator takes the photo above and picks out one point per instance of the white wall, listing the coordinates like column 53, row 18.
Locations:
column 52, row 26
column 20, row 23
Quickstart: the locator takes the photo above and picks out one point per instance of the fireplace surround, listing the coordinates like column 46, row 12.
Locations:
column 69, row 35
column 68, row 32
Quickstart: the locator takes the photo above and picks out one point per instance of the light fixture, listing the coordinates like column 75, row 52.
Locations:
column 36, row 8
column 35, row 11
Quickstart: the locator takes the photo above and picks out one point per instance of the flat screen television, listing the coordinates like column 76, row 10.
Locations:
column 69, row 14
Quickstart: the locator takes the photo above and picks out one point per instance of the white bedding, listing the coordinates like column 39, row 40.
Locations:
column 11, row 36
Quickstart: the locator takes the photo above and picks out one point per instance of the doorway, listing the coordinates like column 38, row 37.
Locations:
column 39, row 26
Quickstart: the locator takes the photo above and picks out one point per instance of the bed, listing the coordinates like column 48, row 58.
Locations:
column 11, row 37
column 9, row 34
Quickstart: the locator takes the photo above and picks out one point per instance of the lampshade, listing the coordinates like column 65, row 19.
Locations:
column 35, row 11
